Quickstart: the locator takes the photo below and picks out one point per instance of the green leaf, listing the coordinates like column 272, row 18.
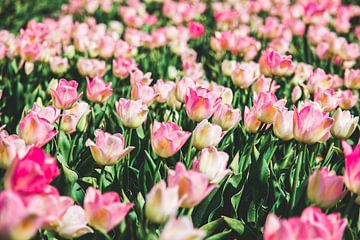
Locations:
column 211, row 227
column 219, row 236
column 140, row 132
column 235, row 224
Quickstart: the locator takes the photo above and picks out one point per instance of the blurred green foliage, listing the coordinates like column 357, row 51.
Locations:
column 14, row 14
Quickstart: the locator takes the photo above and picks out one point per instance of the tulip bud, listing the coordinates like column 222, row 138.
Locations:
column 132, row 113
column 226, row 117
column 296, row 94
column 227, row 67
column 162, row 203
column 251, row 123
column 65, row 94
column 206, row 134
column 344, row 124
column 29, row 67
column 283, row 124
column 352, row 78
column 97, row 90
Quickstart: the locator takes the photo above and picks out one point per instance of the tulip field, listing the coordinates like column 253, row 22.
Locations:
column 180, row 119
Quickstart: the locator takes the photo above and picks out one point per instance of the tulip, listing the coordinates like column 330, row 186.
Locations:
column 227, row 67
column 206, row 134
column 347, row 99
column 36, row 130
column 182, row 87
column 162, row 202
column 144, row 92
column 196, row 29
column 325, row 189
column 319, row 79
column 167, row 138
column 282, row 125
column 264, row 84
column 72, row 116
column 352, row 167
column 313, row 224
column 109, row 148
column 212, row 163
column 181, row 229
column 104, row 212
column 296, row 94
column 106, row 47
column 193, row 186
column 311, row 125
column 97, row 90
column 137, row 76
column 91, row 67
column 302, row 72
column 225, row 93
column 17, row 221
column 59, row 65
column 328, row 99
column 274, row 63
column 49, row 113
column 73, row 223
column 344, row 124
column 200, row 104
column 352, row 78
column 32, row 173
column 11, row 147
column 122, row 67
column 65, row 94
column 226, row 117
column 132, row 113
column 251, row 123
column 245, row 74
column 163, row 90
column 265, row 106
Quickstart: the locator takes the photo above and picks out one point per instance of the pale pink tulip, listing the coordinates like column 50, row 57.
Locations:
column 122, row 67
column 265, row 106
column 72, row 116
column 193, row 186
column 132, row 113
column 104, row 211
column 273, row 63
column 206, row 134
column 163, row 90
column 226, row 117
column 347, row 99
column 49, row 113
column 108, row 148
column 59, row 65
column 167, row 138
column 65, row 94
column 344, row 124
column 328, row 99
column 251, row 123
column 325, row 189
column 11, row 147
column 181, row 229
column 182, row 87
column 264, row 84
column 352, row 167
column 352, row 78
column 97, row 90
column 319, row 79
column 245, row 74
column 283, row 124
column 144, row 92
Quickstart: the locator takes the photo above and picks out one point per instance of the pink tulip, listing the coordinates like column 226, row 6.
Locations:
column 144, row 92
column 344, row 124
column 206, row 134
column 225, row 93
column 226, row 117
column 352, row 167
column 132, row 113
column 213, row 163
column 200, row 104
column 325, row 189
column 352, row 78
column 265, row 106
column 283, row 124
column 11, row 147
column 182, row 87
column 227, row 67
column 91, row 67
column 72, row 116
column 311, row 125
column 122, row 67
column 162, row 202
column 313, row 224
column 347, row 99
column 163, row 90
column 109, row 148
column 97, row 90
column 32, row 173
column 262, row 84
column 104, row 211
column 17, row 221
column 106, row 47
column 167, row 138
column 319, row 79
column 65, row 94
column 137, row 76
column 193, row 186
column 58, row 65
column 49, row 113
column 274, row 63
column 251, row 123
column 302, row 72
column 36, row 130
column 181, row 229
column 296, row 94
column 245, row 74
column 328, row 99
column 196, row 29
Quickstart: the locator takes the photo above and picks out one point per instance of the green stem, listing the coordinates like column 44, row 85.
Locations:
column 296, row 180
column 101, row 180
column 59, row 129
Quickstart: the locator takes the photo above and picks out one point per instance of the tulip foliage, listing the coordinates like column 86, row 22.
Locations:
column 179, row 120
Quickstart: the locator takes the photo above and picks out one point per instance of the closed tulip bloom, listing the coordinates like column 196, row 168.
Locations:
column 32, row 173
column 36, row 130
column 97, row 90
column 108, row 148
column 72, row 116
column 167, row 138
column 49, row 113
column 162, row 202
column 283, row 124
column 319, row 79
column 296, row 94
column 213, row 163
column 65, row 94
column 265, row 106
column 122, row 67
column 206, row 134
column 11, row 147
column 181, row 229
column 311, row 125
column 245, row 74
column 225, row 93
column 352, row 167
column 104, row 211
column 325, row 189
column 59, row 65
column 347, row 99
column 144, row 92
column 132, row 113
column 226, row 117
column 200, row 104
column 163, row 90
column 352, row 78
column 328, row 99
column 273, row 63
column 313, row 224
column 227, row 67
column 17, row 221
column 193, row 186
column 182, row 88
column 73, row 223
column 344, row 124
column 251, row 123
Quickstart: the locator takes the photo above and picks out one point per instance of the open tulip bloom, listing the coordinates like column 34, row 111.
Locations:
column 179, row 120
